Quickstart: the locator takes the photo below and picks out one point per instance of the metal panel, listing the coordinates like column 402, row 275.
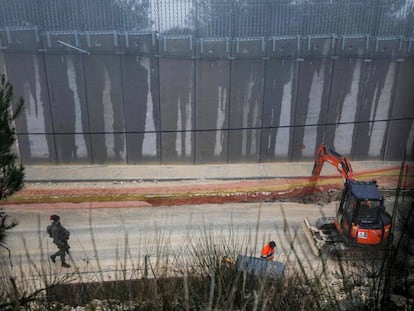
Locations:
column 138, row 43
column 311, row 107
column 177, row 110
column 408, row 49
column 246, row 110
column 280, row 89
column 284, row 47
column 352, row 46
column 62, row 42
column 21, row 39
column 176, row 46
column 318, row 46
column 213, row 48
column 100, row 42
column 249, row 47
column 211, row 111
column 387, row 47
column 401, row 130
column 106, row 117
column 141, row 105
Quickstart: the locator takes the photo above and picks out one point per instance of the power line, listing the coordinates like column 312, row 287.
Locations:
column 222, row 129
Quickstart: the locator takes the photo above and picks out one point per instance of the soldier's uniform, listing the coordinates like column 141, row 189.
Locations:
column 60, row 237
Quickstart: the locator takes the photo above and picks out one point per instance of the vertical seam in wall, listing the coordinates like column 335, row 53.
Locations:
column 123, row 107
column 159, row 107
column 391, row 109
column 194, row 131
column 87, row 109
column 263, row 106
column 228, row 112
column 292, row 129
column 328, row 102
column 359, row 104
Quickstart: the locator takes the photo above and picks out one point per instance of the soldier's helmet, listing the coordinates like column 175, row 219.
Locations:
column 54, row 217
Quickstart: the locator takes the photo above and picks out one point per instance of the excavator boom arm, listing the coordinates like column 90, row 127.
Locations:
column 341, row 163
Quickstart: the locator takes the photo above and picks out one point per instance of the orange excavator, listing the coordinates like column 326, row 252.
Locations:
column 361, row 221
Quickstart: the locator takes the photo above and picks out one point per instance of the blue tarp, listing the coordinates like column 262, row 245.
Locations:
column 260, row 267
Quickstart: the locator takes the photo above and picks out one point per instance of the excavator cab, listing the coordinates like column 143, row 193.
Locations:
column 361, row 216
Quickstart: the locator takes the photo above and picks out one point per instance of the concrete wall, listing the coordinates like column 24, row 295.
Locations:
column 140, row 98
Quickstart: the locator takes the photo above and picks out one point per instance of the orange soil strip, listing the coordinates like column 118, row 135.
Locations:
column 192, row 193
column 82, row 205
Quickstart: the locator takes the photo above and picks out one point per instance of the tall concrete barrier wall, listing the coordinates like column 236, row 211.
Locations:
column 134, row 98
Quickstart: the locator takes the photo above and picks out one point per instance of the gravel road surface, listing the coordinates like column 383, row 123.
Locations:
column 114, row 239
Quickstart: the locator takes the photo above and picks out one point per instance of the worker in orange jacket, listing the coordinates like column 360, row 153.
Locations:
column 268, row 251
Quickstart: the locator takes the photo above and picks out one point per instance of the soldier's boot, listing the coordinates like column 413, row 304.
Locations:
column 65, row 265
column 53, row 258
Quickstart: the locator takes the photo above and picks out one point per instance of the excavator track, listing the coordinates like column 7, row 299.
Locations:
column 346, row 253
column 323, row 238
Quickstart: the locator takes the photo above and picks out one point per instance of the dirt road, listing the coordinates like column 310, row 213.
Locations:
column 133, row 239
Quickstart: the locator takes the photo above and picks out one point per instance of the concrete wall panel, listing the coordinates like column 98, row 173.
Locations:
column 177, row 110
column 343, row 104
column 374, row 105
column 401, row 132
column 314, row 78
column 141, row 106
column 2, row 64
column 246, row 102
column 36, row 140
column 279, row 101
column 212, row 111
column 69, row 111
column 105, row 104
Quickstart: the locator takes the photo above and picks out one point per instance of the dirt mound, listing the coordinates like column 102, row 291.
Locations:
column 292, row 190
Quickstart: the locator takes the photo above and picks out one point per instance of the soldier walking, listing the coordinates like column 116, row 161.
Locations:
column 60, row 237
